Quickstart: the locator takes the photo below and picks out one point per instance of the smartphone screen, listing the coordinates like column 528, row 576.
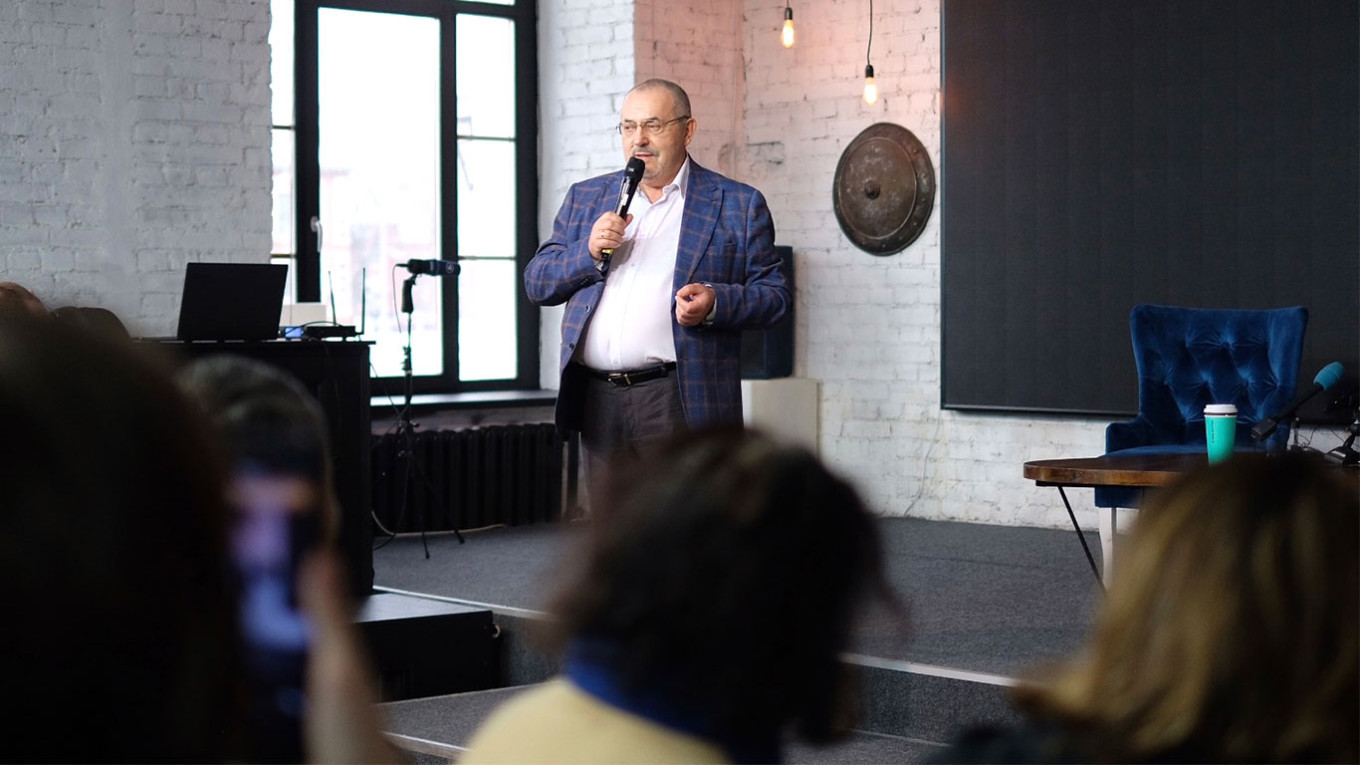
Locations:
column 277, row 524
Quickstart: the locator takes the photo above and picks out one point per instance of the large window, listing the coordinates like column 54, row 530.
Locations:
column 404, row 131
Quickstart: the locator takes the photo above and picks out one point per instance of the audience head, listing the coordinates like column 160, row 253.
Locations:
column 274, row 428
column 122, row 639
column 726, row 570
column 16, row 298
column 92, row 319
column 1230, row 629
column 282, row 493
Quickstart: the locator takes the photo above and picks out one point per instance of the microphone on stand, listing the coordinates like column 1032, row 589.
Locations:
column 632, row 174
column 431, row 267
column 1325, row 379
column 417, row 267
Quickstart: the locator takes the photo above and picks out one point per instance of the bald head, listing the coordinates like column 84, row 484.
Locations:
column 678, row 93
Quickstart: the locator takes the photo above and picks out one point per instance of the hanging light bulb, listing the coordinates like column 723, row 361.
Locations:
column 870, row 87
column 786, row 36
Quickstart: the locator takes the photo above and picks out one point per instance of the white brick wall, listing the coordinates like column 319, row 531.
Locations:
column 134, row 137
column 704, row 56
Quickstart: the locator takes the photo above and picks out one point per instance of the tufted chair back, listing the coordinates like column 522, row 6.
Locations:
column 1189, row 357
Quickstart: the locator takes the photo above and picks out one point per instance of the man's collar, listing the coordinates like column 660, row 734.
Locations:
column 682, row 177
column 680, row 182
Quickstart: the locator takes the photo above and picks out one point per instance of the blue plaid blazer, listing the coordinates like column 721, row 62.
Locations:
column 726, row 240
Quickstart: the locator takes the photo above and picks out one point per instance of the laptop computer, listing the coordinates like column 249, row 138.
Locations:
column 231, row 301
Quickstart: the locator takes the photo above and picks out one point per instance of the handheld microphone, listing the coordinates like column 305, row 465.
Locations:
column 432, row 267
column 1327, row 377
column 631, row 175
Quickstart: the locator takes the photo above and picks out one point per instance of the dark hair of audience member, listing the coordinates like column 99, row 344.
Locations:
column 92, row 319
column 121, row 637
column 1230, row 630
column 268, row 420
column 727, row 570
column 16, row 298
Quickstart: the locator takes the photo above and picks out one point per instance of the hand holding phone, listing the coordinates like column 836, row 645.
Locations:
column 277, row 526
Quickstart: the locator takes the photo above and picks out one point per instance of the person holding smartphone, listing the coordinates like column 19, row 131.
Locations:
column 124, row 638
column 286, row 515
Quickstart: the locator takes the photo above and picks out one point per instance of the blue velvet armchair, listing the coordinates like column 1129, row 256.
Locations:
column 1189, row 357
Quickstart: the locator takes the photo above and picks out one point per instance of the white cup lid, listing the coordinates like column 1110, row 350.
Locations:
column 1219, row 409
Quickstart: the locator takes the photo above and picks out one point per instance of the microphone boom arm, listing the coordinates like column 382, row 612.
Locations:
column 1325, row 379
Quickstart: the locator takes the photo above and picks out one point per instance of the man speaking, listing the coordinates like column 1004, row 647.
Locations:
column 658, row 290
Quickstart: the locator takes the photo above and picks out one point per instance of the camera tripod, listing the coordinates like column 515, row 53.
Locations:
column 406, row 429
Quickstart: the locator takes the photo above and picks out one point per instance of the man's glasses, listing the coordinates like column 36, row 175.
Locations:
column 649, row 128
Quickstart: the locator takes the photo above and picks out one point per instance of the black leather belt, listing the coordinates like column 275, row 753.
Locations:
column 628, row 377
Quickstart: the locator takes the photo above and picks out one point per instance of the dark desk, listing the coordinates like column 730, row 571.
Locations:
column 337, row 374
column 1146, row 471
column 1133, row 470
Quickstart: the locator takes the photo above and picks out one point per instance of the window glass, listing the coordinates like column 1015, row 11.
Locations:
column 486, row 199
column 281, row 60
column 487, row 330
column 485, row 54
column 366, row 174
column 284, row 193
column 378, row 100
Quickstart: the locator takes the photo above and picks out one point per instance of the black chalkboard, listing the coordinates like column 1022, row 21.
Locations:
column 1098, row 155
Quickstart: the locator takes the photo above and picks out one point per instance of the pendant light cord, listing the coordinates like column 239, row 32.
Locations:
column 871, row 33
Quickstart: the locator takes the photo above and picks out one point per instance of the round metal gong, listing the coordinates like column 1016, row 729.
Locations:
column 884, row 189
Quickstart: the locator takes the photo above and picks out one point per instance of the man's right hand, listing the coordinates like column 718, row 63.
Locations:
column 606, row 234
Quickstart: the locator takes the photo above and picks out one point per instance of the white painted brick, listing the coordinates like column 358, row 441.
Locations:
column 94, row 99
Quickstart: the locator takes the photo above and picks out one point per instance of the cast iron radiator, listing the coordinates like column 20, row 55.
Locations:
column 469, row 478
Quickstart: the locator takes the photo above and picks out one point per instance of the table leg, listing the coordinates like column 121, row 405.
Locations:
column 1080, row 537
column 1108, row 530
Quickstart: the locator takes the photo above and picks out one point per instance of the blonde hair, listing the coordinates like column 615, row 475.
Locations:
column 1230, row 629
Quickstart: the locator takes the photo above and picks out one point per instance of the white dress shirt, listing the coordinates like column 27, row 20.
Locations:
column 632, row 324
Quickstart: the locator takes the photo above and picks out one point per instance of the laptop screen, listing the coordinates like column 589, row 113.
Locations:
column 231, row 301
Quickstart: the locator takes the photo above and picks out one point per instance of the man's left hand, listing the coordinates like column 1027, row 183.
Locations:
column 693, row 304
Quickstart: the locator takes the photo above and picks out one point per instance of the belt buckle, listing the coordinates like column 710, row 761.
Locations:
column 620, row 379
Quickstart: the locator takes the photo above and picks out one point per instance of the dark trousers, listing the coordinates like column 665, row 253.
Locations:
column 618, row 423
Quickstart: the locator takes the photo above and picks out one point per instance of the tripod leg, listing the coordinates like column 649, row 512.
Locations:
column 408, row 481
column 409, row 466
column 439, row 502
column 407, row 427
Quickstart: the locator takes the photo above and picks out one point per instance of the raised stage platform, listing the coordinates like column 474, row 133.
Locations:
column 985, row 603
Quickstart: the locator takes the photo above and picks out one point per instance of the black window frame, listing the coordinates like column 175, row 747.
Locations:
column 307, row 261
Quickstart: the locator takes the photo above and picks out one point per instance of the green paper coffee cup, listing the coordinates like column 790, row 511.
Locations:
column 1220, row 430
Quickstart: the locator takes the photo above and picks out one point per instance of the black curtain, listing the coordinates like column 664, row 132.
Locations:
column 1100, row 155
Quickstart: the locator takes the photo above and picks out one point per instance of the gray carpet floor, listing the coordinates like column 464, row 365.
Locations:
column 980, row 598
